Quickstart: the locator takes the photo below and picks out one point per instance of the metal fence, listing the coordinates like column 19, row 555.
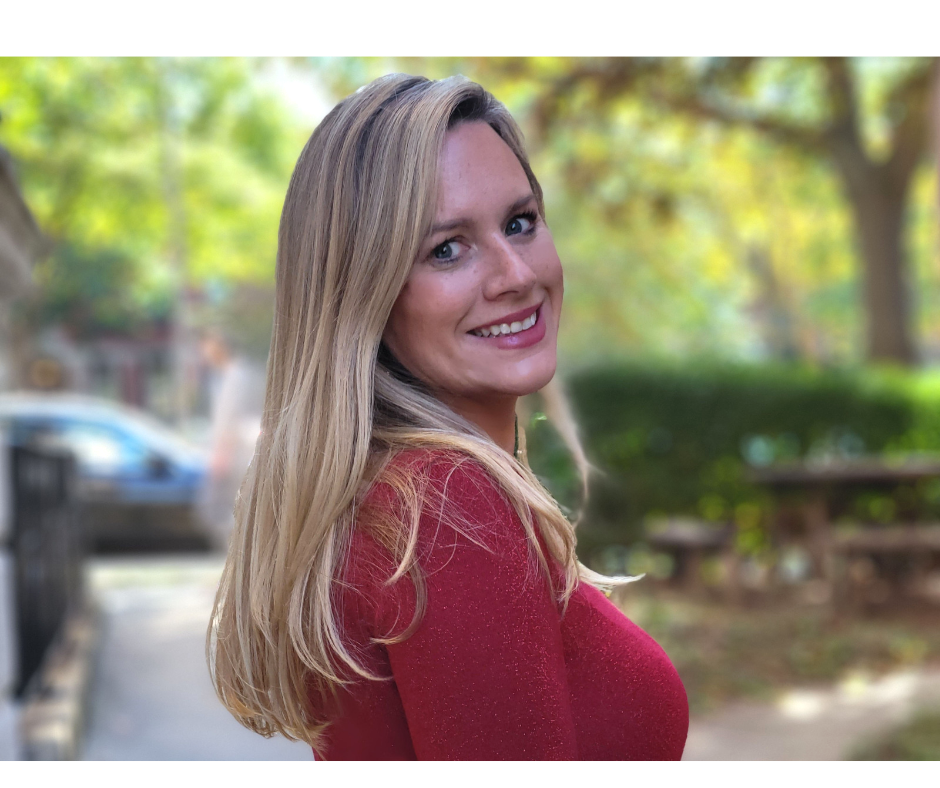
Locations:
column 47, row 551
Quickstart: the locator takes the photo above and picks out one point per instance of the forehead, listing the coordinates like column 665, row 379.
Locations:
column 477, row 168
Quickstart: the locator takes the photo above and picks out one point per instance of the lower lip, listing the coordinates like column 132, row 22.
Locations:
column 523, row 339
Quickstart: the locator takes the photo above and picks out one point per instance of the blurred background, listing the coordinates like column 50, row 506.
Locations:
column 750, row 346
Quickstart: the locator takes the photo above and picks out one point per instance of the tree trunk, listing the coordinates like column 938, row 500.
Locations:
column 879, row 194
column 878, row 203
column 879, row 221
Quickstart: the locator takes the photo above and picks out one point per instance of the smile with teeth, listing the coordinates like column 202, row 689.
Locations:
column 507, row 328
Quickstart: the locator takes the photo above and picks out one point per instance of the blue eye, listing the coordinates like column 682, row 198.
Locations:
column 522, row 223
column 446, row 251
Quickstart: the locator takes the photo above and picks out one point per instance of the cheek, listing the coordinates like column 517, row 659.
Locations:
column 427, row 311
column 557, row 276
column 549, row 269
column 404, row 326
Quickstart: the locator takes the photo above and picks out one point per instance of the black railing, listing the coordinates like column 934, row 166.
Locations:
column 47, row 551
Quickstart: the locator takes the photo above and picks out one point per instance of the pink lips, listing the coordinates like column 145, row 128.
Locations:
column 523, row 339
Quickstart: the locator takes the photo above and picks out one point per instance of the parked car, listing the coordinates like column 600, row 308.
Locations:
column 138, row 482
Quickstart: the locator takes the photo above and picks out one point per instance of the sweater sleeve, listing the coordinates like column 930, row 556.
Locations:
column 483, row 676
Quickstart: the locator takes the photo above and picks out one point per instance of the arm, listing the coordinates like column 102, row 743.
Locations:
column 483, row 676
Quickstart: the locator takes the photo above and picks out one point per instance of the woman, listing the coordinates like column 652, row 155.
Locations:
column 399, row 584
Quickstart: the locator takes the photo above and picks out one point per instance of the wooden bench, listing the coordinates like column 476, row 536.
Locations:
column 688, row 541
column 877, row 563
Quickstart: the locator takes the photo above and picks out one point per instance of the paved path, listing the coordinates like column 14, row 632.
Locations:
column 151, row 696
column 812, row 725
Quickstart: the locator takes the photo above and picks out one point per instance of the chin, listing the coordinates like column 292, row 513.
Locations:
column 533, row 379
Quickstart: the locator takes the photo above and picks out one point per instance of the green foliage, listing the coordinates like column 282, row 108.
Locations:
column 94, row 291
column 916, row 740
column 686, row 229
column 551, row 462
column 680, row 440
column 163, row 172
column 680, row 235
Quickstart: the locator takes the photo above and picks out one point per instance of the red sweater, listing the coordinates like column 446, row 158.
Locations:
column 494, row 671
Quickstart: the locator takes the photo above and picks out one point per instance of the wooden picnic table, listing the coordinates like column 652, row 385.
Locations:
column 814, row 488
column 867, row 472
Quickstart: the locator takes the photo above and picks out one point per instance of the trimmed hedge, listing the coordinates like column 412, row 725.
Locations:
column 679, row 440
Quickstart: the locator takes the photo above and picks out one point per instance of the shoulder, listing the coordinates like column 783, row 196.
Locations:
column 437, row 500
column 450, row 479
column 454, row 532
column 439, row 464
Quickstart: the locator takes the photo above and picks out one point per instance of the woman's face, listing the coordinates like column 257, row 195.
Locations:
column 478, row 316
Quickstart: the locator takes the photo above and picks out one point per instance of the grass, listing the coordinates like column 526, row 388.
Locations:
column 723, row 652
column 917, row 740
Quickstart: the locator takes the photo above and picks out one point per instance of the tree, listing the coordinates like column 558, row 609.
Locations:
column 157, row 179
column 873, row 136
column 793, row 122
column 154, row 161
column 153, row 177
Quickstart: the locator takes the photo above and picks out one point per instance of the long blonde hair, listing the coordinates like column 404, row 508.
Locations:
column 338, row 407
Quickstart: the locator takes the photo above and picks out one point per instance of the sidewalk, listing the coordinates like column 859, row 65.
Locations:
column 151, row 696
column 812, row 724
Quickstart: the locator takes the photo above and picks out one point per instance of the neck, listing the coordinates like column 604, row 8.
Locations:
column 496, row 417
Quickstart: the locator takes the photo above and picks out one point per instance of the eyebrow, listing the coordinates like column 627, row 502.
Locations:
column 463, row 222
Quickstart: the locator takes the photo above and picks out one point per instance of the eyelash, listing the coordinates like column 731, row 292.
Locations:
column 530, row 216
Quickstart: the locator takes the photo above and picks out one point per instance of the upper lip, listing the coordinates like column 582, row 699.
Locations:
column 512, row 317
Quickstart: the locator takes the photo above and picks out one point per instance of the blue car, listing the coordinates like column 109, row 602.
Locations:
column 138, row 482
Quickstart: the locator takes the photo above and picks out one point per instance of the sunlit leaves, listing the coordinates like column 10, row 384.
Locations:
column 685, row 234
column 111, row 151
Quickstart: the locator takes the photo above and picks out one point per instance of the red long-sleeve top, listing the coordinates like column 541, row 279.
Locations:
column 495, row 670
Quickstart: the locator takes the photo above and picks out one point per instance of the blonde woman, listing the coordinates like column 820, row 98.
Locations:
column 399, row 584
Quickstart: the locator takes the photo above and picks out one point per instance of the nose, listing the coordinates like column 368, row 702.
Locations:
column 508, row 272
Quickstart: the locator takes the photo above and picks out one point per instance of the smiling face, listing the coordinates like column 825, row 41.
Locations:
column 477, row 319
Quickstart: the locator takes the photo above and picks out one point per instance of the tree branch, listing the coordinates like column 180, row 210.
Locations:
column 618, row 77
column 909, row 139
column 842, row 95
column 788, row 133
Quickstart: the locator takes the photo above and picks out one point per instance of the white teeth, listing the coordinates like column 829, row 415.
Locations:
column 508, row 328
